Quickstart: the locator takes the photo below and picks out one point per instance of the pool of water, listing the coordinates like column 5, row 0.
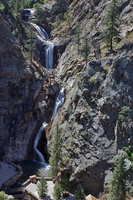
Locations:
column 33, row 167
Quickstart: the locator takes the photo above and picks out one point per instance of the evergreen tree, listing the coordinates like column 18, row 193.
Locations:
column 56, row 153
column 30, row 43
column 112, row 24
column 60, row 6
column 85, row 48
column 39, row 14
column 77, row 36
column 79, row 193
column 42, row 187
column 65, row 185
column 117, row 189
column 57, row 192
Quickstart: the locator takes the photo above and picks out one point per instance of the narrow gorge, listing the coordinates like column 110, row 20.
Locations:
column 76, row 81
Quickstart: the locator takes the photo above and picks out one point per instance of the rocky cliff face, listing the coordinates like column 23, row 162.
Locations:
column 92, row 133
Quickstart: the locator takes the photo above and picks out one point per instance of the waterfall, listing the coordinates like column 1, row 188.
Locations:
column 49, row 47
column 61, row 97
column 49, row 55
column 59, row 102
column 41, row 31
column 38, row 136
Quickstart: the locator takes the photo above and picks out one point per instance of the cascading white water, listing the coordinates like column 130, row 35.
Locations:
column 38, row 136
column 49, row 47
column 59, row 102
column 61, row 97
column 49, row 55
column 41, row 31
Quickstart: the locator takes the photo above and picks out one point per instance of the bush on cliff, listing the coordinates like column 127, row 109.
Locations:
column 3, row 196
column 117, row 189
column 42, row 187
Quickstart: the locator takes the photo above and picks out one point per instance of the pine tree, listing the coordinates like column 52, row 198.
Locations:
column 39, row 14
column 85, row 48
column 65, row 185
column 112, row 24
column 57, row 192
column 42, row 187
column 30, row 43
column 77, row 36
column 117, row 189
column 56, row 153
column 79, row 193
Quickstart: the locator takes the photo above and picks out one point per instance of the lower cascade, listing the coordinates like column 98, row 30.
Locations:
column 38, row 136
column 58, row 103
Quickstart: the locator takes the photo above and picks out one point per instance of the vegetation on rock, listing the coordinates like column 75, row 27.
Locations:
column 42, row 187
column 79, row 193
column 3, row 196
column 112, row 24
column 77, row 36
column 56, row 153
column 85, row 48
column 124, row 113
column 117, row 189
column 30, row 43
column 57, row 191
column 65, row 185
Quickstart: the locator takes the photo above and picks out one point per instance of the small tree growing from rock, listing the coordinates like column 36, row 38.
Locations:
column 85, row 48
column 65, row 185
column 56, row 153
column 77, row 36
column 57, row 191
column 112, row 24
column 30, row 43
column 79, row 193
column 117, row 189
column 42, row 187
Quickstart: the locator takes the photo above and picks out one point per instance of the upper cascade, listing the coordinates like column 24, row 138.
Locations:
column 49, row 47
column 41, row 31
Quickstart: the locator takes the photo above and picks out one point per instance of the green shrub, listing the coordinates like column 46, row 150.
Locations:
column 65, row 185
column 106, row 68
column 92, row 79
column 117, row 189
column 57, row 192
column 129, row 153
column 3, row 196
column 124, row 113
column 79, row 193
column 42, row 187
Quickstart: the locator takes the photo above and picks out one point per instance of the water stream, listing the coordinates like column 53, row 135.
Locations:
column 59, row 102
column 41, row 31
column 48, row 48
column 60, row 98
column 38, row 136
